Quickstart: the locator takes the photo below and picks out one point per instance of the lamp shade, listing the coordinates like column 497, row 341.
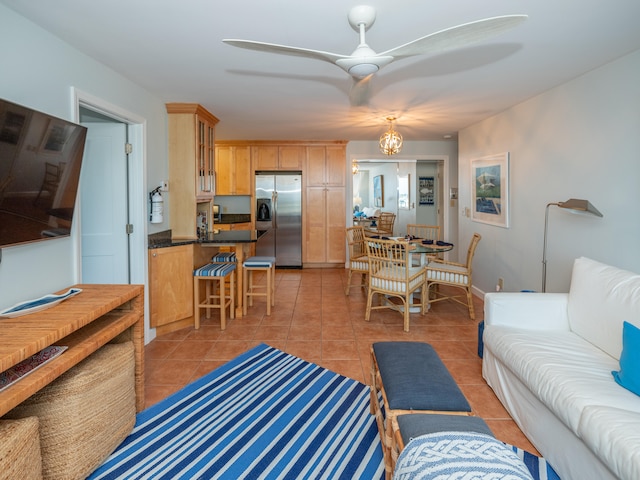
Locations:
column 580, row 206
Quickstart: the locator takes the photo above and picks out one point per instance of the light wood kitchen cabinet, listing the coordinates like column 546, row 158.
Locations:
column 324, row 220
column 326, row 166
column 278, row 157
column 191, row 164
column 233, row 170
column 324, row 230
column 171, row 287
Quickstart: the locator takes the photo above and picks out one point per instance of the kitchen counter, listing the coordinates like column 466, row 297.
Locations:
column 222, row 237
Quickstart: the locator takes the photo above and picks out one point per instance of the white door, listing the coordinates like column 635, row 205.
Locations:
column 103, row 194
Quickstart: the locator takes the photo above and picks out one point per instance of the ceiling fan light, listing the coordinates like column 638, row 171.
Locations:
column 363, row 70
column 390, row 141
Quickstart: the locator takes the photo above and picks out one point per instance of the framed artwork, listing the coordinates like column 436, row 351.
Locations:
column 490, row 189
column 378, row 191
column 426, row 190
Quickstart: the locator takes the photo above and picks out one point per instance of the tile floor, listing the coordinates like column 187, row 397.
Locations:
column 315, row 320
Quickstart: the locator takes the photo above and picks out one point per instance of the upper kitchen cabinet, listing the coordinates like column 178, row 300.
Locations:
column 326, row 166
column 233, row 170
column 191, row 164
column 278, row 157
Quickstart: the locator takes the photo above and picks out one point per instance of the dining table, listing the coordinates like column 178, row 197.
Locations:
column 423, row 249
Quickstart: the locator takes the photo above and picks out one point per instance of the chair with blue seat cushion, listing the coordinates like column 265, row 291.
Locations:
column 214, row 276
column 251, row 289
column 224, row 257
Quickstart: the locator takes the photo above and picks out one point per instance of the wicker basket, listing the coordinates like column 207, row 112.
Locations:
column 20, row 449
column 84, row 414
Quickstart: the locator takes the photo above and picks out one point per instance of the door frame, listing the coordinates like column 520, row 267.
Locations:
column 443, row 183
column 136, row 127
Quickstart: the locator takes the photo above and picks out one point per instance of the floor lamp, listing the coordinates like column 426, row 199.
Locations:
column 574, row 206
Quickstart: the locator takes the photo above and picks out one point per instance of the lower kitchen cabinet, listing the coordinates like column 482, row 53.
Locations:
column 325, row 226
column 171, row 287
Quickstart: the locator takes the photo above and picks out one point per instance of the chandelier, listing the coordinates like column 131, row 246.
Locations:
column 390, row 141
column 354, row 168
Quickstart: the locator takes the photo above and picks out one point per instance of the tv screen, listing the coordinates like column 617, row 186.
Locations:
column 40, row 160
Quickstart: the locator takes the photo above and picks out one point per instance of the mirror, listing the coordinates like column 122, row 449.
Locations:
column 403, row 192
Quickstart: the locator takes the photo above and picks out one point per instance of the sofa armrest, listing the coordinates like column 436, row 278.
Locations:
column 531, row 311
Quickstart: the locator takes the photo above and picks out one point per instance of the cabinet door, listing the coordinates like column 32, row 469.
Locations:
column 335, row 159
column 291, row 157
column 315, row 166
column 170, row 284
column 205, row 158
column 335, row 221
column 224, row 171
column 265, row 157
column 315, row 229
column 242, row 180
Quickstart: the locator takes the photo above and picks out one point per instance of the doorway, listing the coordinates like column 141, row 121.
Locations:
column 407, row 204
column 112, row 229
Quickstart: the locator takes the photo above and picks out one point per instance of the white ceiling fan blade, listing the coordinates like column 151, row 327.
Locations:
column 457, row 36
column 285, row 50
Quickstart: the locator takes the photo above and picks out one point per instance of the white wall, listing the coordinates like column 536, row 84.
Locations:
column 38, row 71
column 578, row 140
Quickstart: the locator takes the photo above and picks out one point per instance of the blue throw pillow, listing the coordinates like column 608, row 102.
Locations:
column 629, row 374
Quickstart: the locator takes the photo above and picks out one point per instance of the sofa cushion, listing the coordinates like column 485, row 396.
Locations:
column 629, row 374
column 564, row 371
column 601, row 297
column 613, row 435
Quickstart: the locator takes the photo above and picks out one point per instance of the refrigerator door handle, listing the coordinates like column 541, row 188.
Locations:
column 274, row 210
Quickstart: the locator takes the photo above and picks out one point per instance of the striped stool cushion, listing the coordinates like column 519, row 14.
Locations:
column 259, row 262
column 214, row 270
column 224, row 257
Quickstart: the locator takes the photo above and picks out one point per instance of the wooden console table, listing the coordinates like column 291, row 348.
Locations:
column 83, row 323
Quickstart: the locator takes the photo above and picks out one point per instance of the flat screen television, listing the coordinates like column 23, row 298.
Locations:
column 40, row 161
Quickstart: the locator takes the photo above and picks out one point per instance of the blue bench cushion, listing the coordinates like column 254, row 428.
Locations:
column 259, row 262
column 214, row 270
column 224, row 257
column 416, row 424
column 414, row 378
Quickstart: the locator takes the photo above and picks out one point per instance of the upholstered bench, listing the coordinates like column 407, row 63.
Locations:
column 410, row 378
column 407, row 427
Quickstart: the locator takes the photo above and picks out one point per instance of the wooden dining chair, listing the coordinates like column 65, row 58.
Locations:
column 452, row 274
column 384, row 224
column 358, row 260
column 424, row 232
column 392, row 275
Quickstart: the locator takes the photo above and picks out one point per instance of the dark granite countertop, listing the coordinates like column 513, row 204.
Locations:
column 222, row 237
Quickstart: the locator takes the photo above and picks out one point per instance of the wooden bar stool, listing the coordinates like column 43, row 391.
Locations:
column 214, row 276
column 250, row 290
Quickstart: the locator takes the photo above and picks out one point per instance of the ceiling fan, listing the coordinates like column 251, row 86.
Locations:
column 364, row 62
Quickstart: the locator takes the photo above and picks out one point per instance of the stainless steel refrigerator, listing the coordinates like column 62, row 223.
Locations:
column 279, row 217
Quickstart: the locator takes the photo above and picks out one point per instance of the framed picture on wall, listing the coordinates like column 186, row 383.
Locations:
column 490, row 189
column 426, row 190
column 378, row 191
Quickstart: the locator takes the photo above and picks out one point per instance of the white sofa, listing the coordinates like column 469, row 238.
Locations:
column 549, row 357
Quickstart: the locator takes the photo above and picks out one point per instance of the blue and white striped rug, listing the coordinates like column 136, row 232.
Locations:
column 263, row 415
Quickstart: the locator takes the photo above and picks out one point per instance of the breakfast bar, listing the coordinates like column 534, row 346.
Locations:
column 241, row 241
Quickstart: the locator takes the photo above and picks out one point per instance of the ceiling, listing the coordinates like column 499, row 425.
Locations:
column 174, row 49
